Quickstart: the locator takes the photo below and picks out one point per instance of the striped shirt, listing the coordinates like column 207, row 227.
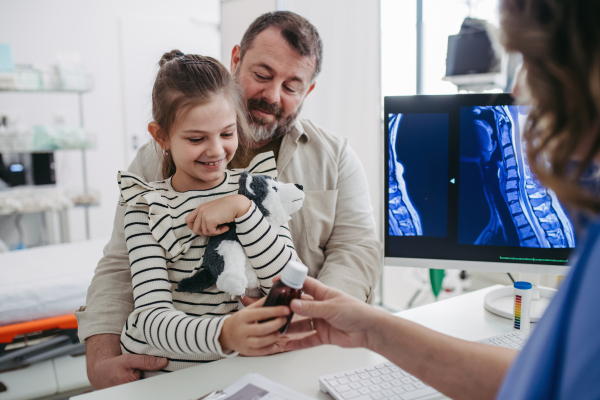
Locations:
column 185, row 327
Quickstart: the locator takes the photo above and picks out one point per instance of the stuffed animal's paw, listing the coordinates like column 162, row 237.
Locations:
column 232, row 283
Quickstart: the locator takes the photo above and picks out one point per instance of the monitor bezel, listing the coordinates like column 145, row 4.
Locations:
column 442, row 103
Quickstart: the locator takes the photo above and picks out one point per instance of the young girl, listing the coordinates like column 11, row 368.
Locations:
column 199, row 118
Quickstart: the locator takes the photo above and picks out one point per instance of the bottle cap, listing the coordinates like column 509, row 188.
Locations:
column 522, row 285
column 293, row 274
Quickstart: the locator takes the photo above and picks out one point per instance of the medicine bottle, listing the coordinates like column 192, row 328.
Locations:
column 286, row 289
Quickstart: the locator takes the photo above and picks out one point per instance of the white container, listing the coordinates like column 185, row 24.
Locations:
column 521, row 319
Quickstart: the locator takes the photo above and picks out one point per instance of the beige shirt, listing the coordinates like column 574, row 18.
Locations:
column 334, row 231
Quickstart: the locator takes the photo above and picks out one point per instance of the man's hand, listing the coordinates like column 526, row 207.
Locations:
column 106, row 367
column 337, row 318
column 208, row 218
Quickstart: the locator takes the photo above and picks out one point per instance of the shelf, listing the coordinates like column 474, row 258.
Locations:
column 32, row 199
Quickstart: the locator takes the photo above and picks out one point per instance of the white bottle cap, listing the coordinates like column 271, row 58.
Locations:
column 293, row 274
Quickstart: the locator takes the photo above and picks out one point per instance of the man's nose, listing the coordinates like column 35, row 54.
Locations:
column 299, row 186
column 272, row 93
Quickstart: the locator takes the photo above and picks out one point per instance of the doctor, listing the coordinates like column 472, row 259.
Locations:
column 276, row 63
column 560, row 44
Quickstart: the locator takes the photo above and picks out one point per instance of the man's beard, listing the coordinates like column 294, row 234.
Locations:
column 264, row 130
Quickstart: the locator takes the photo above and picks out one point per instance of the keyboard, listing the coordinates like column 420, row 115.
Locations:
column 387, row 381
column 513, row 340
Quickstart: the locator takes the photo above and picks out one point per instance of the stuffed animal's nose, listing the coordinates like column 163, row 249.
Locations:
column 299, row 186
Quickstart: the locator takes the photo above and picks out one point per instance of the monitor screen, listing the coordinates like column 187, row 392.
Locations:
column 460, row 193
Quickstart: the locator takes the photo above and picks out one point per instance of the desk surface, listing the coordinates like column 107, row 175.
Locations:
column 463, row 317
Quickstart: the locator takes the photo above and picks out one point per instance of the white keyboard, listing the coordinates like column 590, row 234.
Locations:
column 513, row 340
column 386, row 381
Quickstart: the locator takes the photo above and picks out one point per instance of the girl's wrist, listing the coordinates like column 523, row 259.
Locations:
column 244, row 205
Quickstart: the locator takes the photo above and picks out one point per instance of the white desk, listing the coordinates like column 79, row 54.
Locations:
column 463, row 317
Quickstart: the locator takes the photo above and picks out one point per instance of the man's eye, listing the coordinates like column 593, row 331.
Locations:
column 263, row 77
column 289, row 89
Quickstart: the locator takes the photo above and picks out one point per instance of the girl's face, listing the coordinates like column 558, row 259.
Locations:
column 202, row 144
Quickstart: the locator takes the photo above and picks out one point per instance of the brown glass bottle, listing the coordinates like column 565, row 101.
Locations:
column 288, row 288
column 282, row 295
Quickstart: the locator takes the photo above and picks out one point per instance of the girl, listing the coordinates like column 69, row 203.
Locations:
column 199, row 119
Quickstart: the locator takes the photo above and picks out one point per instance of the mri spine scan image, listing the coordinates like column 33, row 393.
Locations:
column 501, row 203
column 404, row 219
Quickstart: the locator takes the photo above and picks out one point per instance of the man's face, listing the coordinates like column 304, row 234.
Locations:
column 276, row 79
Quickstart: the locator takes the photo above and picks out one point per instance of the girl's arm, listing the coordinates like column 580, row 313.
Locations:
column 155, row 321
column 268, row 249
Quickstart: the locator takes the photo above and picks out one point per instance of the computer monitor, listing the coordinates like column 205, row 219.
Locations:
column 459, row 191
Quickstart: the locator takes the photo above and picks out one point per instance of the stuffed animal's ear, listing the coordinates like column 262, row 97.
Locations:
column 245, row 182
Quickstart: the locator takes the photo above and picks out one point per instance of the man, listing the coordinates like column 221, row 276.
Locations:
column 276, row 63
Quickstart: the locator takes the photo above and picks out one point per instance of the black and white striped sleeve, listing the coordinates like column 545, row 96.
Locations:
column 268, row 249
column 157, row 322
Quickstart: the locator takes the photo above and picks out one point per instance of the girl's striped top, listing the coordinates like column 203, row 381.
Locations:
column 185, row 327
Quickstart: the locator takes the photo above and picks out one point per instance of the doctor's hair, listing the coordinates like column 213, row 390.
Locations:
column 560, row 44
column 185, row 81
column 297, row 31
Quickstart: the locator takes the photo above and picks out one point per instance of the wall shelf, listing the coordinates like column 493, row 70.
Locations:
column 79, row 93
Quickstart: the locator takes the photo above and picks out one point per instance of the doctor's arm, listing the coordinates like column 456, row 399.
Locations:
column 457, row 368
column 352, row 253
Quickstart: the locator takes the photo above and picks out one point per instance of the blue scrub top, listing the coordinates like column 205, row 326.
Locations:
column 561, row 360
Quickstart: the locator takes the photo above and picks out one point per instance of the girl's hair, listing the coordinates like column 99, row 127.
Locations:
column 185, row 81
column 560, row 44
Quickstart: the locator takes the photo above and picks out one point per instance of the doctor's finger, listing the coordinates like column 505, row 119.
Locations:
column 306, row 343
column 260, row 342
column 302, row 326
column 316, row 289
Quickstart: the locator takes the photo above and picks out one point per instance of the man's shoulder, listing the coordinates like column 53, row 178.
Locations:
column 323, row 137
column 147, row 163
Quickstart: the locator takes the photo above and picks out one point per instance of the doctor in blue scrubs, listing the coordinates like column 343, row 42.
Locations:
column 560, row 44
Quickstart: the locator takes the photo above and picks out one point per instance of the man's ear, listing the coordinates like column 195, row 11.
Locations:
column 158, row 135
column 235, row 58
column 310, row 89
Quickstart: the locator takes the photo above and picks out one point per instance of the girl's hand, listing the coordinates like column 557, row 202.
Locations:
column 207, row 218
column 242, row 331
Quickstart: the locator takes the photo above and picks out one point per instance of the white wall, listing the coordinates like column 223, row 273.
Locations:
column 347, row 97
column 38, row 29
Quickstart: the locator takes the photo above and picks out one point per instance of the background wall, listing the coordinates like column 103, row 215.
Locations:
column 118, row 41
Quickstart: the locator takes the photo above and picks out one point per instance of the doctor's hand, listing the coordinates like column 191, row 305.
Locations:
column 107, row 367
column 209, row 218
column 337, row 318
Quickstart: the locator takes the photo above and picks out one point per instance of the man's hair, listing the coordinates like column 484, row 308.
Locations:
column 296, row 30
column 560, row 44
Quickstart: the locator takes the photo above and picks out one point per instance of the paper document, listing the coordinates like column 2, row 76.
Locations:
column 257, row 387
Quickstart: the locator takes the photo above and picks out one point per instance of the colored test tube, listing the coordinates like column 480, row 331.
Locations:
column 521, row 320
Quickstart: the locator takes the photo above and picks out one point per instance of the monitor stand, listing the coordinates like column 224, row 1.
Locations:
column 501, row 301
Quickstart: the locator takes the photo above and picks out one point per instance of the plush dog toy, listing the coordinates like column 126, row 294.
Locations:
column 225, row 262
